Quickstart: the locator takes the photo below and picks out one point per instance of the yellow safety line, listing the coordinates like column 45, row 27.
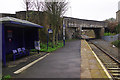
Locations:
column 30, row 64
column 109, row 76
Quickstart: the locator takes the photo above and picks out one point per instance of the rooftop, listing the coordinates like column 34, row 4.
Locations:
column 18, row 21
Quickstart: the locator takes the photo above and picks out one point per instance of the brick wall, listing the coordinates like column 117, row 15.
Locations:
column 118, row 16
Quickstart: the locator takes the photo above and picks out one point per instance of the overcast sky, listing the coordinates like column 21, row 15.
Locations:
column 83, row 9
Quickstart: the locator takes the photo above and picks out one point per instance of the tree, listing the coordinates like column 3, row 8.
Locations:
column 111, row 25
column 28, row 4
column 35, row 14
column 55, row 10
column 38, row 5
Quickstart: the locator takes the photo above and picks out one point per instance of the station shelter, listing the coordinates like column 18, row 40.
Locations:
column 16, row 33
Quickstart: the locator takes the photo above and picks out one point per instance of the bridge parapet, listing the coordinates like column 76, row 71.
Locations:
column 74, row 22
column 74, row 27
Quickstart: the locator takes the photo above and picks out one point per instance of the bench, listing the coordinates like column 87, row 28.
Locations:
column 19, row 53
column 25, row 51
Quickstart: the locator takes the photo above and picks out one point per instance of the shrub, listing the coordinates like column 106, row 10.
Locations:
column 116, row 43
column 50, row 48
column 33, row 50
column 43, row 47
column 6, row 77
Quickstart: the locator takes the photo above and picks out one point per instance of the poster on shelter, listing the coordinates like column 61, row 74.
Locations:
column 9, row 33
column 37, row 45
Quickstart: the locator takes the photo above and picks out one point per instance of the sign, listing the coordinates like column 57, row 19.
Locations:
column 9, row 33
column 37, row 45
column 50, row 31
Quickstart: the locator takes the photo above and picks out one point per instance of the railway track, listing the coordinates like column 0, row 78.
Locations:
column 111, row 64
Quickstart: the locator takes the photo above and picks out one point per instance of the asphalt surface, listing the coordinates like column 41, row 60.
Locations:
column 63, row 63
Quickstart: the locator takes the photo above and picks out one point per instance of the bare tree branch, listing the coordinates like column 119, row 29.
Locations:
column 38, row 4
column 28, row 4
column 55, row 9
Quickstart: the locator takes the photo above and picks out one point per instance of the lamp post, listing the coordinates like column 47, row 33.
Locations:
column 47, row 39
column 63, row 32
column 119, row 49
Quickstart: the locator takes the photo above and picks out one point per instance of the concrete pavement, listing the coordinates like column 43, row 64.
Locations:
column 63, row 63
column 91, row 66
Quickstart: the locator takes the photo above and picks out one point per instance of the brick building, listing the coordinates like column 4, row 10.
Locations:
column 118, row 13
column 7, row 15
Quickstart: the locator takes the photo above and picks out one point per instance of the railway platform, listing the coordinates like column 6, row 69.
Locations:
column 91, row 66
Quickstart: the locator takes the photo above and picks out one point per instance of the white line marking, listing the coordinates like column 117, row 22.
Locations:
column 30, row 64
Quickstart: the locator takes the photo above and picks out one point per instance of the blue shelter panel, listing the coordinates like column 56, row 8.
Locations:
column 13, row 38
column 17, row 37
column 0, row 49
column 3, row 45
column 30, row 36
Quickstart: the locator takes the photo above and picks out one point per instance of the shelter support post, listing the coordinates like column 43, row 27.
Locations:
column 0, row 51
column 3, row 46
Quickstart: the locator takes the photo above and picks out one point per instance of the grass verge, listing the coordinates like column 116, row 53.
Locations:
column 109, row 34
column 51, row 47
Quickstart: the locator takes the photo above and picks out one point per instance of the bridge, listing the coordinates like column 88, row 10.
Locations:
column 74, row 26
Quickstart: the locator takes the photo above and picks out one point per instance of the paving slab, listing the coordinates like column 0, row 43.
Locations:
column 90, row 67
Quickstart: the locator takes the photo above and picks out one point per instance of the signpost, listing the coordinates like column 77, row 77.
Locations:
column 49, row 32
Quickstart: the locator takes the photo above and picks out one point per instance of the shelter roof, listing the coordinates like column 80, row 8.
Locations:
column 12, row 20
